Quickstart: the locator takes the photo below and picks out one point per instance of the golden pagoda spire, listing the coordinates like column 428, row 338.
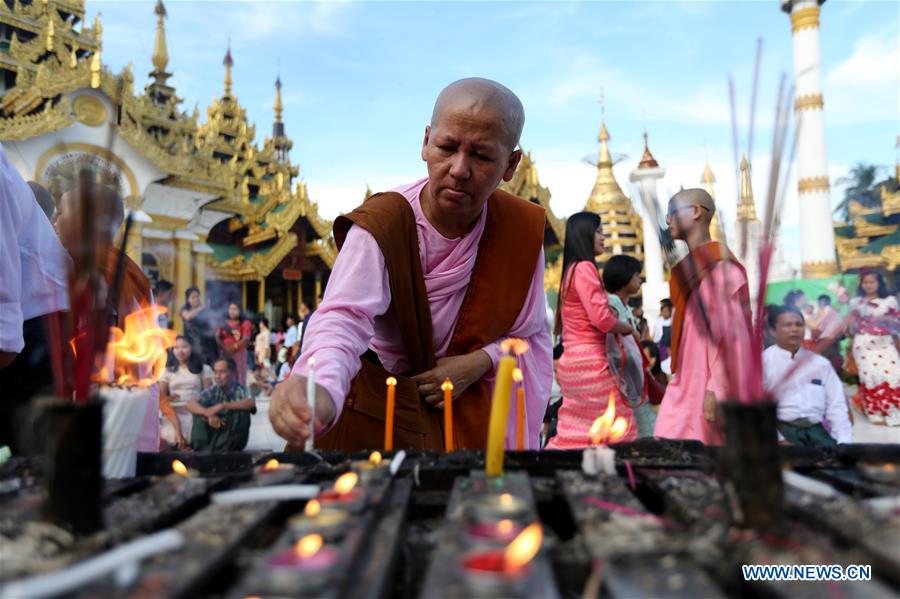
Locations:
column 746, row 205
column 160, row 57
column 278, row 105
column 606, row 191
column 228, row 62
column 715, row 225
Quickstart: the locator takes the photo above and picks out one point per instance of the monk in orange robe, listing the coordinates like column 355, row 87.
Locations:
column 711, row 328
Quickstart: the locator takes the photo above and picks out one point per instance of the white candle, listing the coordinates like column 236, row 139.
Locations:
column 599, row 459
column 311, row 399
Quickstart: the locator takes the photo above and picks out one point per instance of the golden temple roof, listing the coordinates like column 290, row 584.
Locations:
column 621, row 224
column 52, row 54
column 526, row 185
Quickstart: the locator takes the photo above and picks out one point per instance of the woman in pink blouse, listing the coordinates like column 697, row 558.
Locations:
column 584, row 317
column 234, row 337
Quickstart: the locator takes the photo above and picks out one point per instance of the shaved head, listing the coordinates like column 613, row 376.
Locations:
column 696, row 197
column 475, row 95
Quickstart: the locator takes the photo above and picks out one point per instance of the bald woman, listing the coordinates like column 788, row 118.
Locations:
column 430, row 278
column 710, row 328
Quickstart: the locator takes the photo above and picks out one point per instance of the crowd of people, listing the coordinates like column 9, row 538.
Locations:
column 811, row 351
column 431, row 280
column 222, row 357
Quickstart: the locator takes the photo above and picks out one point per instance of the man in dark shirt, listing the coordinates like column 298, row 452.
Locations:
column 222, row 414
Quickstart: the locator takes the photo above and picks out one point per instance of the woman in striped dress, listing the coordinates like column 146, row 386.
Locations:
column 584, row 317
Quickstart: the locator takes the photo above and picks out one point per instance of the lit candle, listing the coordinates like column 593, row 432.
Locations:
column 344, row 494
column 307, row 565
column 389, row 414
column 520, row 409
column 493, row 571
column 447, row 388
column 500, row 406
column 311, row 399
column 330, row 523
column 373, row 469
column 599, row 457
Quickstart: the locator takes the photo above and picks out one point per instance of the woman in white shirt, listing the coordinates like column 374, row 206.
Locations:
column 184, row 378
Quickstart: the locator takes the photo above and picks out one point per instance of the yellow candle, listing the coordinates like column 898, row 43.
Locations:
column 389, row 414
column 499, row 416
column 447, row 388
column 520, row 409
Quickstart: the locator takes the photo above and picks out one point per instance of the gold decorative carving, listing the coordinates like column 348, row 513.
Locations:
column 809, row 102
column 813, row 184
column 89, row 110
column 49, row 120
column 805, row 18
column 819, row 270
column 890, row 201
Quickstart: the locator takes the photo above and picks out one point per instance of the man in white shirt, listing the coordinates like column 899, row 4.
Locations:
column 291, row 336
column 33, row 283
column 805, row 385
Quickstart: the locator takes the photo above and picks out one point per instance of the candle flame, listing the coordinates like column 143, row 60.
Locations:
column 178, row 467
column 308, row 546
column 375, row 458
column 345, row 483
column 446, row 385
column 272, row 464
column 607, row 428
column 515, row 346
column 517, row 375
column 137, row 355
column 524, row 547
column 504, row 527
column 506, row 500
column 312, row 509
column 391, row 382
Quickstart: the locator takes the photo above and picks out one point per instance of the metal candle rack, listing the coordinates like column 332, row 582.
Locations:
column 666, row 529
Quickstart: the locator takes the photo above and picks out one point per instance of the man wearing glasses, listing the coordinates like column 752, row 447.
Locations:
column 711, row 328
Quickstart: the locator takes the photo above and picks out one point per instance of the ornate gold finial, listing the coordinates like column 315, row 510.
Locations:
column 278, row 106
column 95, row 69
column 160, row 57
column 51, row 30
column 228, row 62
column 746, row 205
column 647, row 160
column 98, row 28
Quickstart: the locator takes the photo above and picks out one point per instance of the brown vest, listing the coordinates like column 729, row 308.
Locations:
column 507, row 254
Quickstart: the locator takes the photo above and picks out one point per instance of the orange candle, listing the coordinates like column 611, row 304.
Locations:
column 447, row 388
column 389, row 414
column 520, row 410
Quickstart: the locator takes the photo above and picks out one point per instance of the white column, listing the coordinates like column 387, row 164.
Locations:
column 655, row 286
column 816, row 228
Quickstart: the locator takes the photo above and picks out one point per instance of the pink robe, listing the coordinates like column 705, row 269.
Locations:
column 713, row 357
column 352, row 315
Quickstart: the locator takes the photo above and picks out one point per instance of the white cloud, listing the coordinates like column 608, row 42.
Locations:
column 865, row 86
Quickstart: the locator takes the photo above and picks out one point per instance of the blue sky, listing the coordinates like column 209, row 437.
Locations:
column 360, row 79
